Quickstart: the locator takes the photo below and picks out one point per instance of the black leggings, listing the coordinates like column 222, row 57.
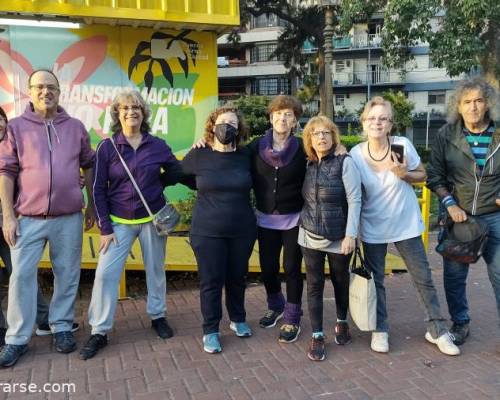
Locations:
column 222, row 262
column 270, row 243
column 315, row 275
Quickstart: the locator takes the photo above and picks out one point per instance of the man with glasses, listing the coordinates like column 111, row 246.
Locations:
column 40, row 161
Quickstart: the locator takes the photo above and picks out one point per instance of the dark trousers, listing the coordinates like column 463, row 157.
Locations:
column 222, row 262
column 271, row 241
column 42, row 308
column 315, row 277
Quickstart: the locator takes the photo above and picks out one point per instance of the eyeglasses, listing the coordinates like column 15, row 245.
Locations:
column 126, row 109
column 381, row 119
column 50, row 88
column 317, row 134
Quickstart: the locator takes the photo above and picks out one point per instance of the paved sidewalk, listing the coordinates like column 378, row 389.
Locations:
column 138, row 365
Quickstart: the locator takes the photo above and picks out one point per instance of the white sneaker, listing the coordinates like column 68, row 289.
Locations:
column 380, row 342
column 444, row 343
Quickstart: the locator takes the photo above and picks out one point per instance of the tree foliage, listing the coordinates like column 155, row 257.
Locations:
column 466, row 36
column 402, row 109
column 303, row 23
column 254, row 110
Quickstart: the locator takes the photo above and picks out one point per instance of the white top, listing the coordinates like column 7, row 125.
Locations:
column 352, row 186
column 390, row 210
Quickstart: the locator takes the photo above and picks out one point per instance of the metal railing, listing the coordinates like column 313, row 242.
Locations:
column 358, row 41
column 375, row 77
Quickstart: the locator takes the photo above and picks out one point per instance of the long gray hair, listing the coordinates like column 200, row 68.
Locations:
column 135, row 97
column 477, row 83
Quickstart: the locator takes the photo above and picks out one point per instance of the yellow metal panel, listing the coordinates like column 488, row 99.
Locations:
column 203, row 12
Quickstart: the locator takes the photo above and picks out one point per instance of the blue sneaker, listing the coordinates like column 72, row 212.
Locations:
column 10, row 354
column 211, row 343
column 241, row 328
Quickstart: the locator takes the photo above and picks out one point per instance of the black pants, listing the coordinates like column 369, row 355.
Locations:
column 315, row 276
column 222, row 262
column 270, row 243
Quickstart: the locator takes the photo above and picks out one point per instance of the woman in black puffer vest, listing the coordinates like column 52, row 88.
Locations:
column 328, row 226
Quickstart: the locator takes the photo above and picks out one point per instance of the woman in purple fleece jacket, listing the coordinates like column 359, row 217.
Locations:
column 122, row 217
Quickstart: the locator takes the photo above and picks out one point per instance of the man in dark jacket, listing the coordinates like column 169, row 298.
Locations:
column 464, row 171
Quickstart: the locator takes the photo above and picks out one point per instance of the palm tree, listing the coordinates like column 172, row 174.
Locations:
column 160, row 49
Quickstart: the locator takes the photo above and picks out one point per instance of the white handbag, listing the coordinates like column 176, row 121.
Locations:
column 362, row 295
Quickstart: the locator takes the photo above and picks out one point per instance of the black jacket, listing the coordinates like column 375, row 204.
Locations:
column 278, row 189
column 325, row 203
column 453, row 166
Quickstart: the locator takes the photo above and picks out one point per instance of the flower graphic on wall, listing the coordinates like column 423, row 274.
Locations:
column 160, row 49
column 76, row 63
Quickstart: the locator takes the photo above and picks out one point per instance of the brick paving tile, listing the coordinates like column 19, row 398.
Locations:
column 137, row 365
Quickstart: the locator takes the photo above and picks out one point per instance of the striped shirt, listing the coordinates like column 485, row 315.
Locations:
column 479, row 143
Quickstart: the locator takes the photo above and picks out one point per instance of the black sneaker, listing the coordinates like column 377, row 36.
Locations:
column 65, row 342
column 270, row 319
column 317, row 349
column 93, row 345
column 10, row 354
column 44, row 329
column 162, row 328
column 289, row 333
column 342, row 335
column 459, row 333
column 3, row 331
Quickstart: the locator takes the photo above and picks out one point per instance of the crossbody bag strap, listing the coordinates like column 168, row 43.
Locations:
column 132, row 179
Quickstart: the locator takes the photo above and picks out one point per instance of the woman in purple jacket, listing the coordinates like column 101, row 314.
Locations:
column 122, row 217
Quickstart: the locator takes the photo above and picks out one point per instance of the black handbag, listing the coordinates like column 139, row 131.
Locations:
column 164, row 220
column 463, row 242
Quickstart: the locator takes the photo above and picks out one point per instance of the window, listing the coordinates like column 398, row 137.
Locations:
column 262, row 52
column 339, row 66
column 271, row 86
column 436, row 97
column 266, row 21
column 339, row 99
column 431, row 64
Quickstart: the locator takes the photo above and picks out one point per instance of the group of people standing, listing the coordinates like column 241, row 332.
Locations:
column 313, row 200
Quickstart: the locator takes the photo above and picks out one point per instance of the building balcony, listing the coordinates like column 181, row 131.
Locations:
column 358, row 41
column 363, row 78
column 249, row 70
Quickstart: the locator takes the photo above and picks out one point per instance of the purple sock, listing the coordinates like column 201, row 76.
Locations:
column 292, row 314
column 276, row 302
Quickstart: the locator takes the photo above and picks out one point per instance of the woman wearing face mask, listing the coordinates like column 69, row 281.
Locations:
column 223, row 226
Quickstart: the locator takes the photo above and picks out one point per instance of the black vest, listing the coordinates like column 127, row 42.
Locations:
column 325, row 203
column 278, row 189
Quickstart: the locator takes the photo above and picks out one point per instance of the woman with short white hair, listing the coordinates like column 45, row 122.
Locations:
column 390, row 214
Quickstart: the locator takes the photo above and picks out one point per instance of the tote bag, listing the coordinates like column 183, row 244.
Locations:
column 362, row 295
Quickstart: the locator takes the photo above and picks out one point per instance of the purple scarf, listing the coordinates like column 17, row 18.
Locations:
column 277, row 158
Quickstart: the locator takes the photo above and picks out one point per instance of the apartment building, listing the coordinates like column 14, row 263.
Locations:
column 357, row 73
column 249, row 67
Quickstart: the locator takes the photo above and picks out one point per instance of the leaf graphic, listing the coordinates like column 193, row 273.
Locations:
column 161, row 35
column 148, row 77
column 135, row 61
column 167, row 72
column 184, row 62
column 80, row 60
column 183, row 34
column 141, row 47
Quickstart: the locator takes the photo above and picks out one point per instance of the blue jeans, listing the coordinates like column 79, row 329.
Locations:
column 455, row 273
column 413, row 253
column 64, row 235
column 109, row 269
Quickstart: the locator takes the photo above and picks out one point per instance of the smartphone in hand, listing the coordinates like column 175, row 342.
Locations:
column 399, row 150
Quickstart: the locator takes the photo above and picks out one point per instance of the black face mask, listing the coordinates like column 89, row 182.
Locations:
column 226, row 133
